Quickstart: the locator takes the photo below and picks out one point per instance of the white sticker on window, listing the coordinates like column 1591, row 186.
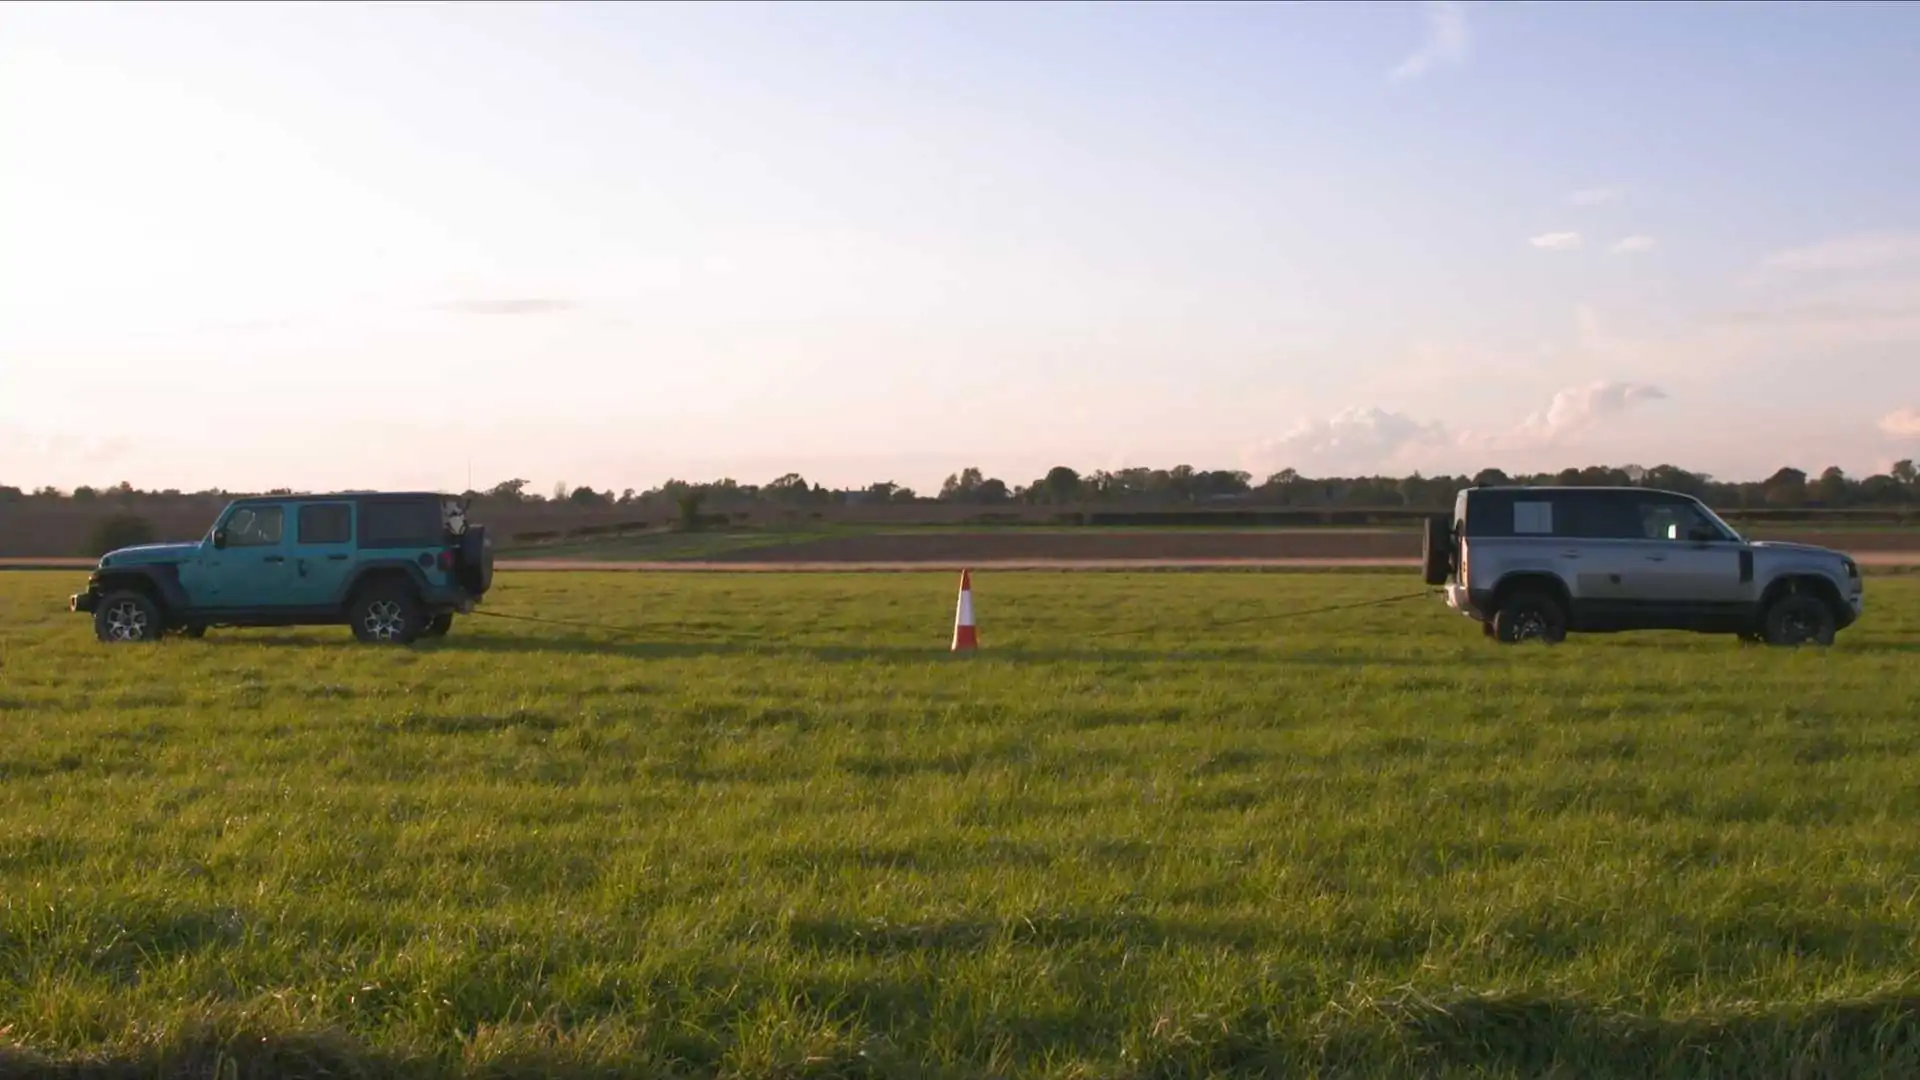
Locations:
column 1532, row 519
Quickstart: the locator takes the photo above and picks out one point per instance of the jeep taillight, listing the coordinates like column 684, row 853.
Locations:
column 446, row 560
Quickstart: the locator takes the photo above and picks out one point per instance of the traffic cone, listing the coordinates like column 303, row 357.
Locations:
column 965, row 638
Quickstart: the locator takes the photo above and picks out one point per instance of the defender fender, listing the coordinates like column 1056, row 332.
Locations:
column 1810, row 582
column 1528, row 577
column 160, row 579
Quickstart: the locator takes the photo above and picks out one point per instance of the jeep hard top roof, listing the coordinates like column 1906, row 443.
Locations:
column 300, row 496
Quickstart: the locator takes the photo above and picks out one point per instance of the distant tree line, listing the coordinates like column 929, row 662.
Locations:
column 1181, row 486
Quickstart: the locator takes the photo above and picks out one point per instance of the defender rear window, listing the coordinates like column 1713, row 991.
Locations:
column 409, row 524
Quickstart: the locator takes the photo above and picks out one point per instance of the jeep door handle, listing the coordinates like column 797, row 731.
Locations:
column 336, row 558
column 276, row 558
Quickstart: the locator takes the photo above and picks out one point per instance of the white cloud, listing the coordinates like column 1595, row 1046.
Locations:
column 1369, row 439
column 1902, row 424
column 1862, row 251
column 1359, row 439
column 1445, row 44
column 1579, row 409
column 1596, row 196
column 1628, row 245
column 1555, row 241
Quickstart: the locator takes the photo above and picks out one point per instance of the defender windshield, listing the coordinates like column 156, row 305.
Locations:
column 1719, row 523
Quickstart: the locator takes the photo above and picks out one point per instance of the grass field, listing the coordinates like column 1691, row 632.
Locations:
column 780, row 832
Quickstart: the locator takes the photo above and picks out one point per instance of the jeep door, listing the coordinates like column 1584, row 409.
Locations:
column 250, row 570
column 322, row 555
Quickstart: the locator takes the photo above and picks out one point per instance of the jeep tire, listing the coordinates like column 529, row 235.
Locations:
column 127, row 616
column 1530, row 615
column 1436, row 550
column 438, row 625
column 1798, row 619
column 386, row 613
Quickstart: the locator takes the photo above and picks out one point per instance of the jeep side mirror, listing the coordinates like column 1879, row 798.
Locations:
column 219, row 538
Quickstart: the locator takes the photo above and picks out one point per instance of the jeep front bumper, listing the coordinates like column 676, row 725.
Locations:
column 82, row 601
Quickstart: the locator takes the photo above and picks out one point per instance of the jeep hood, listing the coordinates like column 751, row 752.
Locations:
column 149, row 554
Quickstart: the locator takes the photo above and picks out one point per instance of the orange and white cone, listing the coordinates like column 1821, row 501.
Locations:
column 965, row 637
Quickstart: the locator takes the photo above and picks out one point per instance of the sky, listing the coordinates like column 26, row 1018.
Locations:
column 338, row 245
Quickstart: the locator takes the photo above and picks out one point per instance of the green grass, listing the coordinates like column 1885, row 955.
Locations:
column 780, row 832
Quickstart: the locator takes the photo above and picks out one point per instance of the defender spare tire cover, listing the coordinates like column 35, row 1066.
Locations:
column 1436, row 550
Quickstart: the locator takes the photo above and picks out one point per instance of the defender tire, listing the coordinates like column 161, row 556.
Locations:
column 1798, row 619
column 386, row 613
column 1436, row 550
column 1530, row 615
column 438, row 625
column 127, row 616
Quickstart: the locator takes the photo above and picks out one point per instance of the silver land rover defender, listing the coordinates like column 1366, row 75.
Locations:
column 1533, row 563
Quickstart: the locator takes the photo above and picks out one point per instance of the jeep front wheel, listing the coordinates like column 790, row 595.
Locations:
column 1799, row 619
column 1530, row 616
column 386, row 615
column 127, row 616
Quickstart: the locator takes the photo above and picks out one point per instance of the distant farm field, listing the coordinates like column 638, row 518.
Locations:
column 1161, row 826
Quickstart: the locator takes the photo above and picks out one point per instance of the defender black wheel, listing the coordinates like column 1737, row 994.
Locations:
column 1530, row 616
column 386, row 614
column 127, row 616
column 439, row 625
column 1799, row 619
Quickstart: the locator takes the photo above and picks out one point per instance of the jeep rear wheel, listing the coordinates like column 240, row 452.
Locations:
column 386, row 614
column 127, row 616
column 1799, row 619
column 1530, row 616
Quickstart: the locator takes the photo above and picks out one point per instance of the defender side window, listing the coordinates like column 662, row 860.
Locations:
column 1674, row 521
column 1532, row 517
column 254, row 526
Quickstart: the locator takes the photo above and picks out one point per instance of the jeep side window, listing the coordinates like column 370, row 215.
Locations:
column 326, row 523
column 252, row 526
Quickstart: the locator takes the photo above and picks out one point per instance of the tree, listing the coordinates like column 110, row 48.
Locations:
column 1787, row 487
column 688, row 503
column 118, row 531
column 1833, row 487
column 1905, row 472
column 1062, row 484
column 508, row 490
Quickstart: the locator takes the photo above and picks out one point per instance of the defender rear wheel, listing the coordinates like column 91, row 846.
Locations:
column 387, row 613
column 127, row 616
column 1530, row 616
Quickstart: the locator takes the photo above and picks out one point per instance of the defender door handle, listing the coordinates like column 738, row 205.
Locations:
column 1656, row 558
column 1569, row 554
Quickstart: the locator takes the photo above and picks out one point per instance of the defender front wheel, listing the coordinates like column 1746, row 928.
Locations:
column 1799, row 619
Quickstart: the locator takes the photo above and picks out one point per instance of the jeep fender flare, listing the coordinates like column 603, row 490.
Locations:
column 385, row 568
column 161, row 580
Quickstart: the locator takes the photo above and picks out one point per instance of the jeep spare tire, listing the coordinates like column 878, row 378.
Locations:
column 476, row 560
column 1436, row 550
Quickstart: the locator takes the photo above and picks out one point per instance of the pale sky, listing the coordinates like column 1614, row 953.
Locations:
column 338, row 245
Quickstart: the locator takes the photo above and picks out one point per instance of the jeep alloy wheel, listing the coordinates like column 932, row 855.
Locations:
column 386, row 615
column 126, row 617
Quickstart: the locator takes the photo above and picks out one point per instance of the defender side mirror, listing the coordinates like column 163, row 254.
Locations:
column 1701, row 534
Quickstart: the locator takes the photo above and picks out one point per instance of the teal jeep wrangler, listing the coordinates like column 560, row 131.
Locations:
column 395, row 567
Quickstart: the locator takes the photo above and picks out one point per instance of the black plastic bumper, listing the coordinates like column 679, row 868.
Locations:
column 83, row 601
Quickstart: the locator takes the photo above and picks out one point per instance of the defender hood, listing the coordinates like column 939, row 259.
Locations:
column 1790, row 547
column 149, row 554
